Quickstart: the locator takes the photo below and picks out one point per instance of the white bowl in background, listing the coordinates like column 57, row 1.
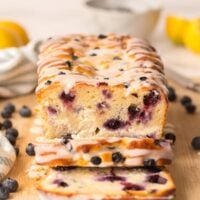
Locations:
column 135, row 17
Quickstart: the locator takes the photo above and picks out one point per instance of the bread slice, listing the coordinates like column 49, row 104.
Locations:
column 63, row 183
column 101, row 86
column 103, row 152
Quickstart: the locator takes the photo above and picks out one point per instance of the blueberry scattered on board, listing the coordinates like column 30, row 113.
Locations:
column 171, row 94
column 7, row 186
column 12, row 131
column 196, row 143
column 190, row 108
column 25, row 111
column 4, row 193
column 30, row 149
column 186, row 101
column 8, row 110
column 6, row 124
column 10, row 184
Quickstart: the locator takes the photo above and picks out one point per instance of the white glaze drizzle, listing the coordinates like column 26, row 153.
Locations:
column 134, row 55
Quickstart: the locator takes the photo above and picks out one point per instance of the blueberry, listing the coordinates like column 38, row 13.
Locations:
column 66, row 138
column 114, row 124
column 93, row 54
column 69, row 64
column 171, row 94
column 6, row 114
column 51, row 110
column 186, row 100
column 156, row 179
column 74, row 57
column 60, row 183
column 170, row 136
column 152, row 98
column 96, row 160
column 62, row 73
column 66, row 98
column 9, row 107
column 149, row 163
column 126, row 85
column 101, row 36
column 4, row 193
column 132, row 186
column 10, row 184
column 111, row 178
column 11, row 139
column 196, row 143
column 143, row 78
column 12, row 131
column 117, row 157
column 48, row 82
column 25, row 111
column 17, row 151
column 97, row 130
column 190, row 108
column 63, row 168
column 116, row 58
column 6, row 124
column 133, row 111
column 63, row 184
column 30, row 149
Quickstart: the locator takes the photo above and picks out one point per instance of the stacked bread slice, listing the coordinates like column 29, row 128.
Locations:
column 103, row 100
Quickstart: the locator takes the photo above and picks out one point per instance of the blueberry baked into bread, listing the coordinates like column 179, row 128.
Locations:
column 101, row 86
column 62, row 183
column 106, row 152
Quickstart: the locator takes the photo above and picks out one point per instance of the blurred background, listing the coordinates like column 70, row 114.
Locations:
column 173, row 27
column 44, row 18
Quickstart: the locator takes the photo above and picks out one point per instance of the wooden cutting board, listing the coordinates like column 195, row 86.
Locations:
column 185, row 168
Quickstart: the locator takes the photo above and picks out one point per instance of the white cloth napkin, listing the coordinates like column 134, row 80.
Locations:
column 18, row 70
column 7, row 156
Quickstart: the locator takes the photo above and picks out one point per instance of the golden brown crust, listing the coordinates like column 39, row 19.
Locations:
column 56, row 52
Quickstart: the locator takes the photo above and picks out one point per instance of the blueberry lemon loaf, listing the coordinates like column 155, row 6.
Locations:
column 101, row 86
column 62, row 183
column 106, row 152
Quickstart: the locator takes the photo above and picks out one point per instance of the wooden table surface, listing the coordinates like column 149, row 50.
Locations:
column 185, row 168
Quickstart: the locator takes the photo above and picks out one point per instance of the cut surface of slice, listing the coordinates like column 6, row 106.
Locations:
column 106, row 183
column 101, row 87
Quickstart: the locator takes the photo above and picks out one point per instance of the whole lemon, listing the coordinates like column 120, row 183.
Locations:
column 192, row 36
column 175, row 28
column 8, row 39
column 17, row 28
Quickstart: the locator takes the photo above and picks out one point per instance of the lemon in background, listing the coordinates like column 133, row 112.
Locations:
column 192, row 36
column 12, row 34
column 8, row 39
column 175, row 28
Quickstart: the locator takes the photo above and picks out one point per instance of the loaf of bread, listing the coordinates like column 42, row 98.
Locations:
column 101, row 86
column 106, row 152
column 62, row 183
